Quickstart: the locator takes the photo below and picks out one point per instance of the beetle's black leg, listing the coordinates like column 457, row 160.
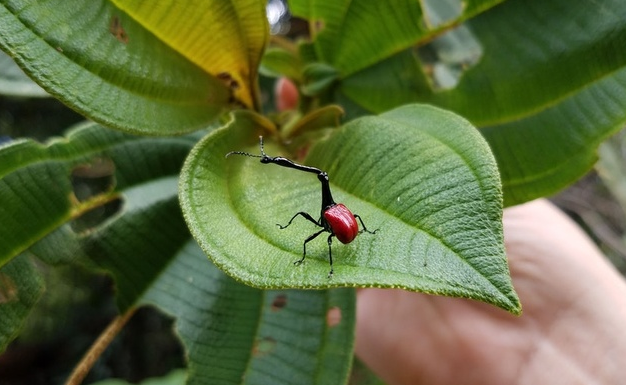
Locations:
column 305, row 215
column 310, row 238
column 330, row 254
column 363, row 224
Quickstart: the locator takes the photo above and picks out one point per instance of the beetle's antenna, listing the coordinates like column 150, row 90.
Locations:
column 263, row 155
column 243, row 153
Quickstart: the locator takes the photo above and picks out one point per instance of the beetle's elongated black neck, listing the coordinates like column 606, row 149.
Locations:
column 327, row 197
column 322, row 176
column 279, row 160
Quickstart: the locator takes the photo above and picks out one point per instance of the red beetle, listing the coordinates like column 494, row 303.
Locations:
column 335, row 218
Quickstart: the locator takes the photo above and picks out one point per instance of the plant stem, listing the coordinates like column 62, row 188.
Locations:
column 104, row 340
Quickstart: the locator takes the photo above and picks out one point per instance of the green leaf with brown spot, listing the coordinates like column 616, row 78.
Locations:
column 423, row 176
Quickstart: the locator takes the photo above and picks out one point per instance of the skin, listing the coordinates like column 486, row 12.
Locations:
column 571, row 330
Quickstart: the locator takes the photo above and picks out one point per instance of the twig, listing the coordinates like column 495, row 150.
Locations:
column 99, row 346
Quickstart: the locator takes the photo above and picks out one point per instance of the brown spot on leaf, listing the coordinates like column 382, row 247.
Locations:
column 116, row 29
column 333, row 316
column 228, row 80
column 8, row 290
column 279, row 302
column 318, row 26
column 263, row 346
column 233, row 85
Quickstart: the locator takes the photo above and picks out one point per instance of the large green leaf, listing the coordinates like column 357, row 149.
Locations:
column 423, row 176
column 103, row 63
column 549, row 86
column 221, row 37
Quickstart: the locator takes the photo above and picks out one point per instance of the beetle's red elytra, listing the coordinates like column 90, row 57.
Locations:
column 335, row 218
column 342, row 223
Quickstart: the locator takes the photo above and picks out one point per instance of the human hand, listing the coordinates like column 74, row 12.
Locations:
column 571, row 330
